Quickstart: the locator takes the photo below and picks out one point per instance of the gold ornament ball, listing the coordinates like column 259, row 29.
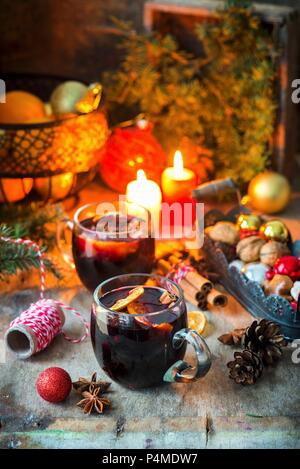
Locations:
column 65, row 96
column 275, row 230
column 269, row 192
column 249, row 222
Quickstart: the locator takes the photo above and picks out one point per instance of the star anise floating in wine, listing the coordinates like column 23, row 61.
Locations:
column 92, row 392
column 93, row 400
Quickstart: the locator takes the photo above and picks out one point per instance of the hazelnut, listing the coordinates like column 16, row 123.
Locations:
column 224, row 232
column 279, row 285
column 272, row 251
column 248, row 249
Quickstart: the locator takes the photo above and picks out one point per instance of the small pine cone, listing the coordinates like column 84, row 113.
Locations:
column 246, row 367
column 265, row 339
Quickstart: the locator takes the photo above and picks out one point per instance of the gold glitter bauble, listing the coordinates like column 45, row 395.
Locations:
column 275, row 230
column 269, row 192
column 249, row 222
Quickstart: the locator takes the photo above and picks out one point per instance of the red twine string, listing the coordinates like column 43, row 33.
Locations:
column 42, row 317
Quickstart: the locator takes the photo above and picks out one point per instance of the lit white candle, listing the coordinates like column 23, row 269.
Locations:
column 146, row 193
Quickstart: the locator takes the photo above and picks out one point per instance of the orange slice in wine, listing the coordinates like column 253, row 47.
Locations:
column 124, row 302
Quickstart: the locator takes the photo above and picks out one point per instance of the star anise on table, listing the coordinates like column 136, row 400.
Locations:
column 92, row 400
column 84, row 384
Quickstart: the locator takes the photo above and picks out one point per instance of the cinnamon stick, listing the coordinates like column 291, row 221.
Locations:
column 197, row 298
column 202, row 304
column 199, row 282
column 216, row 298
column 190, row 298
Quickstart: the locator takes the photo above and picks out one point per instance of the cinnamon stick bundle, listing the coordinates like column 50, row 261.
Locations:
column 200, row 301
column 199, row 282
column 216, row 298
column 196, row 288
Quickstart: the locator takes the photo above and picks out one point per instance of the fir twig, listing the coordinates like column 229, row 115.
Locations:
column 19, row 257
column 222, row 101
column 31, row 222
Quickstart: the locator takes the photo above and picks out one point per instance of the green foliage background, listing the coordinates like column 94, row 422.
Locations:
column 223, row 101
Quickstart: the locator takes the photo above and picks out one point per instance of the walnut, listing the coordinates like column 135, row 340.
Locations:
column 224, row 232
column 272, row 251
column 248, row 249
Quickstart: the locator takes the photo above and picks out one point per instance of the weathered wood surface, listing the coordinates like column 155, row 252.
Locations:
column 213, row 413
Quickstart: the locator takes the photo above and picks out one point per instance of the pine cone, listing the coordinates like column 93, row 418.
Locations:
column 265, row 339
column 246, row 367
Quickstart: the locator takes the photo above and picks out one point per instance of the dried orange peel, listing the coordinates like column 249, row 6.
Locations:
column 124, row 302
column 197, row 321
column 136, row 308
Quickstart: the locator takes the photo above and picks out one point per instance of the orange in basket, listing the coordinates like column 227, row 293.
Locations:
column 21, row 108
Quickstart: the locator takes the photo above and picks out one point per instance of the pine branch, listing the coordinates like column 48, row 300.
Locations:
column 223, row 100
column 20, row 257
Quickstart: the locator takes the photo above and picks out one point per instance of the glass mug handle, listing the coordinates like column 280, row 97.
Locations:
column 181, row 371
column 63, row 244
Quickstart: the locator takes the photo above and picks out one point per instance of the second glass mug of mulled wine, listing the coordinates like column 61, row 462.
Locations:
column 107, row 239
column 139, row 332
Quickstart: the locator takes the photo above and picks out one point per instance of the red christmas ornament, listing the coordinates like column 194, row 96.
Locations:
column 54, row 384
column 286, row 265
column 127, row 150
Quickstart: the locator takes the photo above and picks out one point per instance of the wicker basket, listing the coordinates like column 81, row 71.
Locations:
column 69, row 145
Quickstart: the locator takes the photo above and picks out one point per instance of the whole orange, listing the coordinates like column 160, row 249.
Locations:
column 12, row 190
column 20, row 108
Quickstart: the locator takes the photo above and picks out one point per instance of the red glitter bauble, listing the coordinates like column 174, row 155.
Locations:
column 286, row 265
column 128, row 150
column 54, row 384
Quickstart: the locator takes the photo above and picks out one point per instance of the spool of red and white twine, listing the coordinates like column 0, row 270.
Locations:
column 36, row 327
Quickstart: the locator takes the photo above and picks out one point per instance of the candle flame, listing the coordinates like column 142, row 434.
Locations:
column 178, row 164
column 141, row 175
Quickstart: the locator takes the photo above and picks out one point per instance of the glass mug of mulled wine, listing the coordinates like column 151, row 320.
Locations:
column 139, row 332
column 107, row 239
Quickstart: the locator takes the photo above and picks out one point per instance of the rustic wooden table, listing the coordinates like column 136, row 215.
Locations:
column 212, row 413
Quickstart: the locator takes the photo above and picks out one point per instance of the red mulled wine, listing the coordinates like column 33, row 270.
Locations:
column 135, row 346
column 111, row 245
